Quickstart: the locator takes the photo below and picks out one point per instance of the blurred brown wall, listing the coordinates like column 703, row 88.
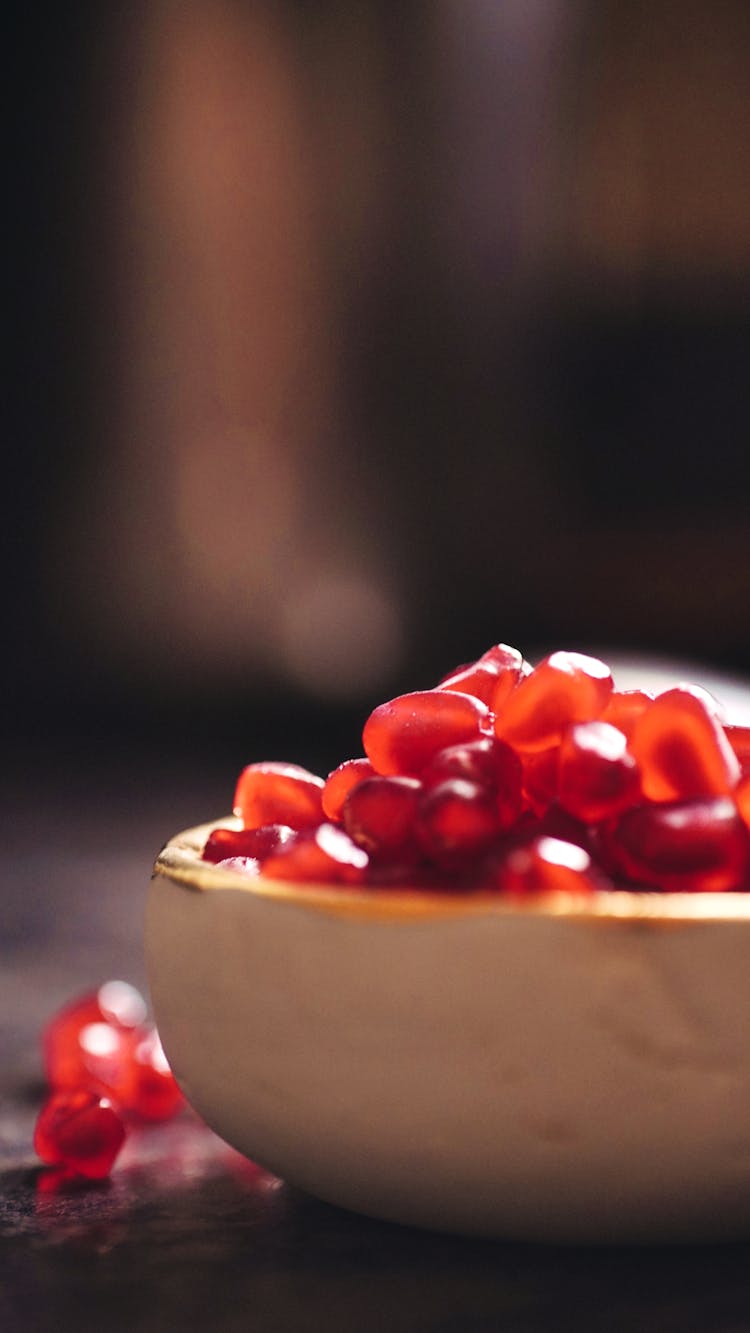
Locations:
column 401, row 330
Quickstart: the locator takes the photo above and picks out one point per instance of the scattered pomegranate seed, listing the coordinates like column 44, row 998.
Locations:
column 258, row 843
column 103, row 1063
column 682, row 750
column 402, row 736
column 564, row 688
column 324, row 855
column 87, row 1040
column 80, row 1130
column 340, row 782
column 154, row 1093
column 379, row 815
column 597, row 777
column 272, row 793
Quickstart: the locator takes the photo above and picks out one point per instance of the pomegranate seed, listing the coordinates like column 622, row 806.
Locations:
column 80, row 1130
column 682, row 749
column 490, row 679
column 478, row 679
column 273, row 793
column 406, row 873
column 402, row 736
column 739, row 739
column 379, row 815
column 742, row 798
column 558, row 823
column 507, row 659
column 457, row 820
column 564, row 688
column 512, row 668
column 689, row 846
column 625, row 707
column 257, row 843
column 596, row 777
column 323, row 855
column 106, row 1016
column 243, row 865
column 481, row 779
column 488, row 762
column 540, row 778
column 153, row 1093
column 547, row 864
column 340, row 782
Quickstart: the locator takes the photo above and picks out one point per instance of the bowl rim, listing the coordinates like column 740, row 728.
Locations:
column 180, row 862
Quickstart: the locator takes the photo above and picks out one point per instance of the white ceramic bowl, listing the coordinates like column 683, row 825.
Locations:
column 562, row 1069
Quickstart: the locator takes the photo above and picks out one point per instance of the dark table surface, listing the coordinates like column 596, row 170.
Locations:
column 186, row 1234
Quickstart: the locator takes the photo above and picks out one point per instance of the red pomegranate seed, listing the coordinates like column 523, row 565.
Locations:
column 491, row 678
column 545, row 865
column 742, row 798
column 682, row 750
column 478, row 679
column 379, row 815
column 597, row 777
column 402, row 736
column 507, row 659
column 512, row 668
column 107, row 1016
column 564, row 688
column 457, row 820
column 558, row 823
column 322, row 855
column 80, row 1130
column 689, row 846
column 153, row 1093
column 243, row 865
column 739, row 739
column 340, row 782
column 257, row 843
column 625, row 707
column 274, row 793
column 488, row 762
column 106, row 1055
column 540, row 778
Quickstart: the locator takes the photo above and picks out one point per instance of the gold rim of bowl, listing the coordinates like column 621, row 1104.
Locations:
column 180, row 861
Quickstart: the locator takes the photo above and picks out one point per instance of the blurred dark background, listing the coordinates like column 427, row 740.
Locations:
column 350, row 338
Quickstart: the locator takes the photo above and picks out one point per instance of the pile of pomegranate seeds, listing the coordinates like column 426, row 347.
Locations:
column 105, row 1066
column 516, row 779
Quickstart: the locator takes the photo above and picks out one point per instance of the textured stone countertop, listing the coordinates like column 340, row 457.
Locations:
column 186, row 1234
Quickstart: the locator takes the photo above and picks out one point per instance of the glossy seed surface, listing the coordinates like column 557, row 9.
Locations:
column 403, row 735
column 380, row 814
column 682, row 750
column 564, row 688
column 275, row 793
column 80, row 1130
column 461, row 785
column 597, row 776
